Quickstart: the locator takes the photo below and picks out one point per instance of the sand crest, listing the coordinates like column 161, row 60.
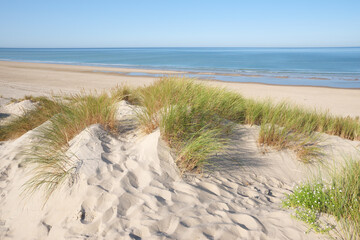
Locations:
column 18, row 108
column 10, row 110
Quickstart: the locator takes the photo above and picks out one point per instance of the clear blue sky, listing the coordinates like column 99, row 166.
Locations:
column 180, row 23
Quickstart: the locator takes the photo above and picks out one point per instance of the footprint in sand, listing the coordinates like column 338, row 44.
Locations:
column 105, row 201
column 127, row 203
column 209, row 187
column 87, row 215
column 133, row 180
column 108, row 214
column 168, row 225
column 106, row 185
column 5, row 174
column 45, row 227
column 247, row 222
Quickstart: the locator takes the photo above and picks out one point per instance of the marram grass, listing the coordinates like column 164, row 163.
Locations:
column 180, row 107
column 303, row 142
column 191, row 118
column 50, row 160
column 300, row 119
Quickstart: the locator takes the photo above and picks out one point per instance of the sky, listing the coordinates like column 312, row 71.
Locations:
column 167, row 23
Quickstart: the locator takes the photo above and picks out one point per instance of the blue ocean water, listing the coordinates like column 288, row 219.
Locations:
column 331, row 67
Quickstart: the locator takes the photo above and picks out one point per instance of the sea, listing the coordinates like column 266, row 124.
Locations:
column 326, row 67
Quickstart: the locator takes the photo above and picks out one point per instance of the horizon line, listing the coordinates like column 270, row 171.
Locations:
column 172, row 47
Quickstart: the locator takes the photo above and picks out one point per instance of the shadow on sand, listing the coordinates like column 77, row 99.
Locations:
column 242, row 151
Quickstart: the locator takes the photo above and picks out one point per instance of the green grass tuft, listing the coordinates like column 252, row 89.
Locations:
column 340, row 198
column 191, row 118
column 305, row 145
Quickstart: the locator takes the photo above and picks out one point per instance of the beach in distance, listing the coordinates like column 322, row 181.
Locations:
column 21, row 78
column 326, row 67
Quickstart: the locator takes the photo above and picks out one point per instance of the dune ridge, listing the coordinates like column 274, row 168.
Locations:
column 129, row 188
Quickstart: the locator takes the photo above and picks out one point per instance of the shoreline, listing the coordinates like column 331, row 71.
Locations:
column 151, row 72
column 21, row 78
column 245, row 76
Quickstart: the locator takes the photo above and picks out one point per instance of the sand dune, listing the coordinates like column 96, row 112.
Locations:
column 129, row 188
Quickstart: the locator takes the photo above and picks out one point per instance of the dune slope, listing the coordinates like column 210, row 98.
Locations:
column 129, row 188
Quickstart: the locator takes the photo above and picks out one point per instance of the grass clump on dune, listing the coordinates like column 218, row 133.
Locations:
column 301, row 120
column 340, row 197
column 181, row 107
column 194, row 138
column 124, row 92
column 287, row 136
column 52, row 164
column 191, row 117
column 286, row 126
column 46, row 108
column 86, row 109
column 304, row 145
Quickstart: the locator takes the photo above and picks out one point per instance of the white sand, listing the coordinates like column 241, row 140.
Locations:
column 129, row 188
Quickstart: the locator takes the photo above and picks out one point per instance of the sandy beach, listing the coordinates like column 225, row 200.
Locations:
column 18, row 79
column 129, row 186
column 179, row 120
